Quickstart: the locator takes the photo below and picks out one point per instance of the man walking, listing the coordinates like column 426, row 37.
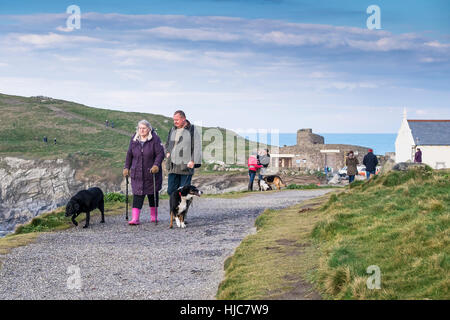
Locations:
column 370, row 161
column 183, row 152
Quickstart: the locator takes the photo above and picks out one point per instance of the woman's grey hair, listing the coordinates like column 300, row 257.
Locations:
column 146, row 123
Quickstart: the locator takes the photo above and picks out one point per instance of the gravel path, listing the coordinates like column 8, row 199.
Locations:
column 117, row 261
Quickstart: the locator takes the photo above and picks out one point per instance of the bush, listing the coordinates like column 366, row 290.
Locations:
column 115, row 197
column 319, row 174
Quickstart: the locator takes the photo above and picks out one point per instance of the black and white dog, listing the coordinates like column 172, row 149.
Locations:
column 180, row 201
column 263, row 186
column 86, row 201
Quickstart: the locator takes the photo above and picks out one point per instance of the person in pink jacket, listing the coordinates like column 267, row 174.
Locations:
column 253, row 167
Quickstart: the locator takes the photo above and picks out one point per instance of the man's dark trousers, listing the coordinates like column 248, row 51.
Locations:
column 176, row 181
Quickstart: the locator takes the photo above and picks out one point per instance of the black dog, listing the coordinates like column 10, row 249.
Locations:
column 86, row 201
column 180, row 201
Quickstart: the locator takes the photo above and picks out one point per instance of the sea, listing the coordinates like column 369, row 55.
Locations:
column 379, row 142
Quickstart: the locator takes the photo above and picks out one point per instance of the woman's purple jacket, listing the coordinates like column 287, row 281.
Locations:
column 140, row 160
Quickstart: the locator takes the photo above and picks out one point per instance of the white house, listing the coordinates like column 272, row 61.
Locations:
column 431, row 136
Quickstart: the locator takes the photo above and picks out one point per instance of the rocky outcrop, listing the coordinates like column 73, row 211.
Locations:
column 31, row 187
column 404, row 166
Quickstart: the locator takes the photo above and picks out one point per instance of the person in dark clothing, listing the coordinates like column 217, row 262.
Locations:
column 418, row 156
column 264, row 160
column 370, row 161
column 352, row 163
column 45, row 139
column 144, row 157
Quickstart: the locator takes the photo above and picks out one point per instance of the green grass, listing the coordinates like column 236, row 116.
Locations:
column 56, row 220
column 309, row 186
column 398, row 221
column 272, row 262
column 95, row 150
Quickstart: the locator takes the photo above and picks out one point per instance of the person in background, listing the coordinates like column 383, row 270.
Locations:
column 144, row 157
column 253, row 167
column 351, row 162
column 264, row 160
column 418, row 156
column 370, row 161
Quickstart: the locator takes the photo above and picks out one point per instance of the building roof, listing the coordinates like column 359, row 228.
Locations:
column 430, row 132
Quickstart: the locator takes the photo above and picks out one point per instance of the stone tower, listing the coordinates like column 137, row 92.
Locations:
column 306, row 137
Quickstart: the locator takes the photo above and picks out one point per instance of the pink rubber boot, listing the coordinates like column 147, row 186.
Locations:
column 135, row 216
column 154, row 214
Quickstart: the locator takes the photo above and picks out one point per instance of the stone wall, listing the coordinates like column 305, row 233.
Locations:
column 309, row 156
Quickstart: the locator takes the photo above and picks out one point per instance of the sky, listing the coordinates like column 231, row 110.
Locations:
column 257, row 64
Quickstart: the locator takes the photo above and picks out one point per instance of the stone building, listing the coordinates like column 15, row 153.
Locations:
column 311, row 153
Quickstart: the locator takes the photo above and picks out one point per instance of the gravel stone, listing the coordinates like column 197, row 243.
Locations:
column 118, row 261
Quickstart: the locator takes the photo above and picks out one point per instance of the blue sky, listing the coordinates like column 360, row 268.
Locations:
column 272, row 64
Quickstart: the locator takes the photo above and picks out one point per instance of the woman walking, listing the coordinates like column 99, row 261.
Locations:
column 253, row 167
column 351, row 162
column 144, row 157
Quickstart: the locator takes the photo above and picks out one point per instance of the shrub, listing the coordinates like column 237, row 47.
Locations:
column 115, row 197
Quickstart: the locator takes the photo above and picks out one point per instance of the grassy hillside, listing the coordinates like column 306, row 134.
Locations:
column 25, row 121
column 399, row 222
column 81, row 134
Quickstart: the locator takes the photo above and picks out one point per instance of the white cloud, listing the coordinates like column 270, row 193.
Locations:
column 67, row 59
column 151, row 54
column 130, row 74
column 282, row 38
column 322, row 75
column 160, row 85
column 421, row 112
column 64, row 29
column 192, row 34
column 437, row 44
column 50, row 39
column 274, row 67
column 432, row 59
column 383, row 44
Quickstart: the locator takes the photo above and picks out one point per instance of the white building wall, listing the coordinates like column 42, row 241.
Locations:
column 404, row 143
column 434, row 156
